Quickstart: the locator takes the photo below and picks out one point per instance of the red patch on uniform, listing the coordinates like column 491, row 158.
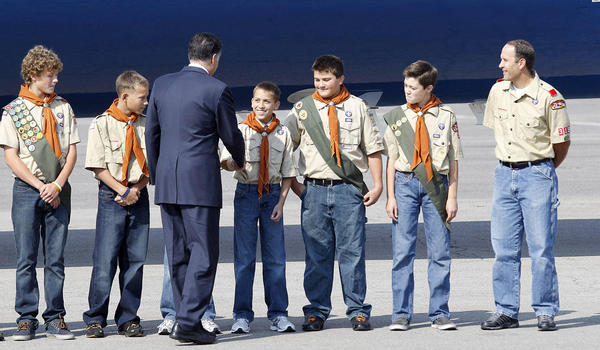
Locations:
column 455, row 129
column 553, row 92
column 564, row 131
column 499, row 80
column 559, row 104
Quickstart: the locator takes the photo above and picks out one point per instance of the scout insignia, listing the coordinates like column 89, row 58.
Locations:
column 534, row 101
column 399, row 123
column 455, row 129
column 348, row 120
column 442, row 126
column 559, row 104
column 404, row 119
column 60, row 115
column 397, row 133
column 394, row 127
column 348, row 114
column 303, row 114
column 31, row 148
column 436, row 136
column 279, row 131
column 39, row 136
column 299, row 105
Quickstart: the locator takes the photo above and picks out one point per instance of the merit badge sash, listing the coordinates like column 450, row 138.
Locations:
column 307, row 111
column 405, row 135
column 43, row 155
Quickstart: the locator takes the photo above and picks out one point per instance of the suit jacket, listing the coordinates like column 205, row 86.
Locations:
column 187, row 114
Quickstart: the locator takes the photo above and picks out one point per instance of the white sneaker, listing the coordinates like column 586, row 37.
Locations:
column 282, row 324
column 210, row 326
column 166, row 326
column 241, row 325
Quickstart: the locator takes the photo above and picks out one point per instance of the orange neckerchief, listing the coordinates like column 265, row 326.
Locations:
column 263, row 172
column 49, row 128
column 421, row 153
column 334, row 134
column 131, row 140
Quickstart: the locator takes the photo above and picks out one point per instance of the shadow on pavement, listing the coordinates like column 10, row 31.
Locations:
column 470, row 240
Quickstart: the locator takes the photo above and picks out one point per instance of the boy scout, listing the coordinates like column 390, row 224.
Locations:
column 338, row 142
column 422, row 172
column 116, row 156
column 39, row 133
column 532, row 132
column 260, row 197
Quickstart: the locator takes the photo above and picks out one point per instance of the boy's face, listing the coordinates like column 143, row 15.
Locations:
column 415, row 93
column 136, row 100
column 44, row 83
column 263, row 105
column 327, row 84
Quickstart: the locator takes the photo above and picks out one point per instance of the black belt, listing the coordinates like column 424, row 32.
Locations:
column 323, row 182
column 521, row 165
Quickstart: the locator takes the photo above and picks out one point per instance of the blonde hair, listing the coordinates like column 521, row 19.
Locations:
column 38, row 60
column 129, row 80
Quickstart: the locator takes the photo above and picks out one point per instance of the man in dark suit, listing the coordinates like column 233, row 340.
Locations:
column 188, row 112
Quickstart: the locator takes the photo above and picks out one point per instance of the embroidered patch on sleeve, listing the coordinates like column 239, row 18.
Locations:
column 558, row 104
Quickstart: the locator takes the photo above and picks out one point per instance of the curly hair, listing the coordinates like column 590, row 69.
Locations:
column 38, row 60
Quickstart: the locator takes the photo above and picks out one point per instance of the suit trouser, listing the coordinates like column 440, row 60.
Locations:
column 192, row 244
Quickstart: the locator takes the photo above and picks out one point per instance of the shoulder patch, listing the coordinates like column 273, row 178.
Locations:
column 558, row 104
column 553, row 92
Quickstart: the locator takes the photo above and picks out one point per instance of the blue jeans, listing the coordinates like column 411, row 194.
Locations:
column 34, row 219
column 333, row 224
column 525, row 200
column 250, row 211
column 410, row 198
column 121, row 240
column 167, row 305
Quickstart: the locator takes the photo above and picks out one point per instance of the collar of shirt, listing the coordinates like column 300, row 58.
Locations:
column 197, row 66
column 531, row 90
column 320, row 105
column 433, row 111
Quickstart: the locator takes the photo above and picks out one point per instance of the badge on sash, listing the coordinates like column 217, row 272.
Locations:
column 397, row 133
column 303, row 115
column 299, row 105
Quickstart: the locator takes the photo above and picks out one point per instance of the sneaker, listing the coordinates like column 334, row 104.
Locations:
column 210, row 326
column 546, row 323
column 57, row 328
column 499, row 321
column 443, row 323
column 282, row 324
column 313, row 323
column 166, row 326
column 94, row 330
column 360, row 323
column 400, row 324
column 25, row 331
column 241, row 325
column 131, row 329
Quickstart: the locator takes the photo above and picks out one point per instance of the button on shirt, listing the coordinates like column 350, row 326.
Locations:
column 106, row 146
column 281, row 157
column 66, row 129
column 526, row 126
column 444, row 139
column 359, row 137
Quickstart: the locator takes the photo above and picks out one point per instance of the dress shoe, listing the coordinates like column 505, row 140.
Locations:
column 200, row 336
column 499, row 321
column 313, row 323
column 546, row 323
column 360, row 323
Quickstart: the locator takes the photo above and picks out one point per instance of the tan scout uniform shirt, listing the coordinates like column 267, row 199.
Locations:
column 526, row 127
column 106, row 146
column 444, row 139
column 359, row 137
column 66, row 128
column 281, row 157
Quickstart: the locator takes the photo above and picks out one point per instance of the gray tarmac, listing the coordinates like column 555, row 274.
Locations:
column 471, row 301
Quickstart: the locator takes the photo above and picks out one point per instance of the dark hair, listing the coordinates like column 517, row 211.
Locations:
column 423, row 71
column 270, row 87
column 329, row 64
column 523, row 49
column 203, row 46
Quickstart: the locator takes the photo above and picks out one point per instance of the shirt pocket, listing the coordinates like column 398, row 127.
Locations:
column 531, row 126
column 114, row 152
column 276, row 148
column 439, row 150
column 253, row 150
column 349, row 136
